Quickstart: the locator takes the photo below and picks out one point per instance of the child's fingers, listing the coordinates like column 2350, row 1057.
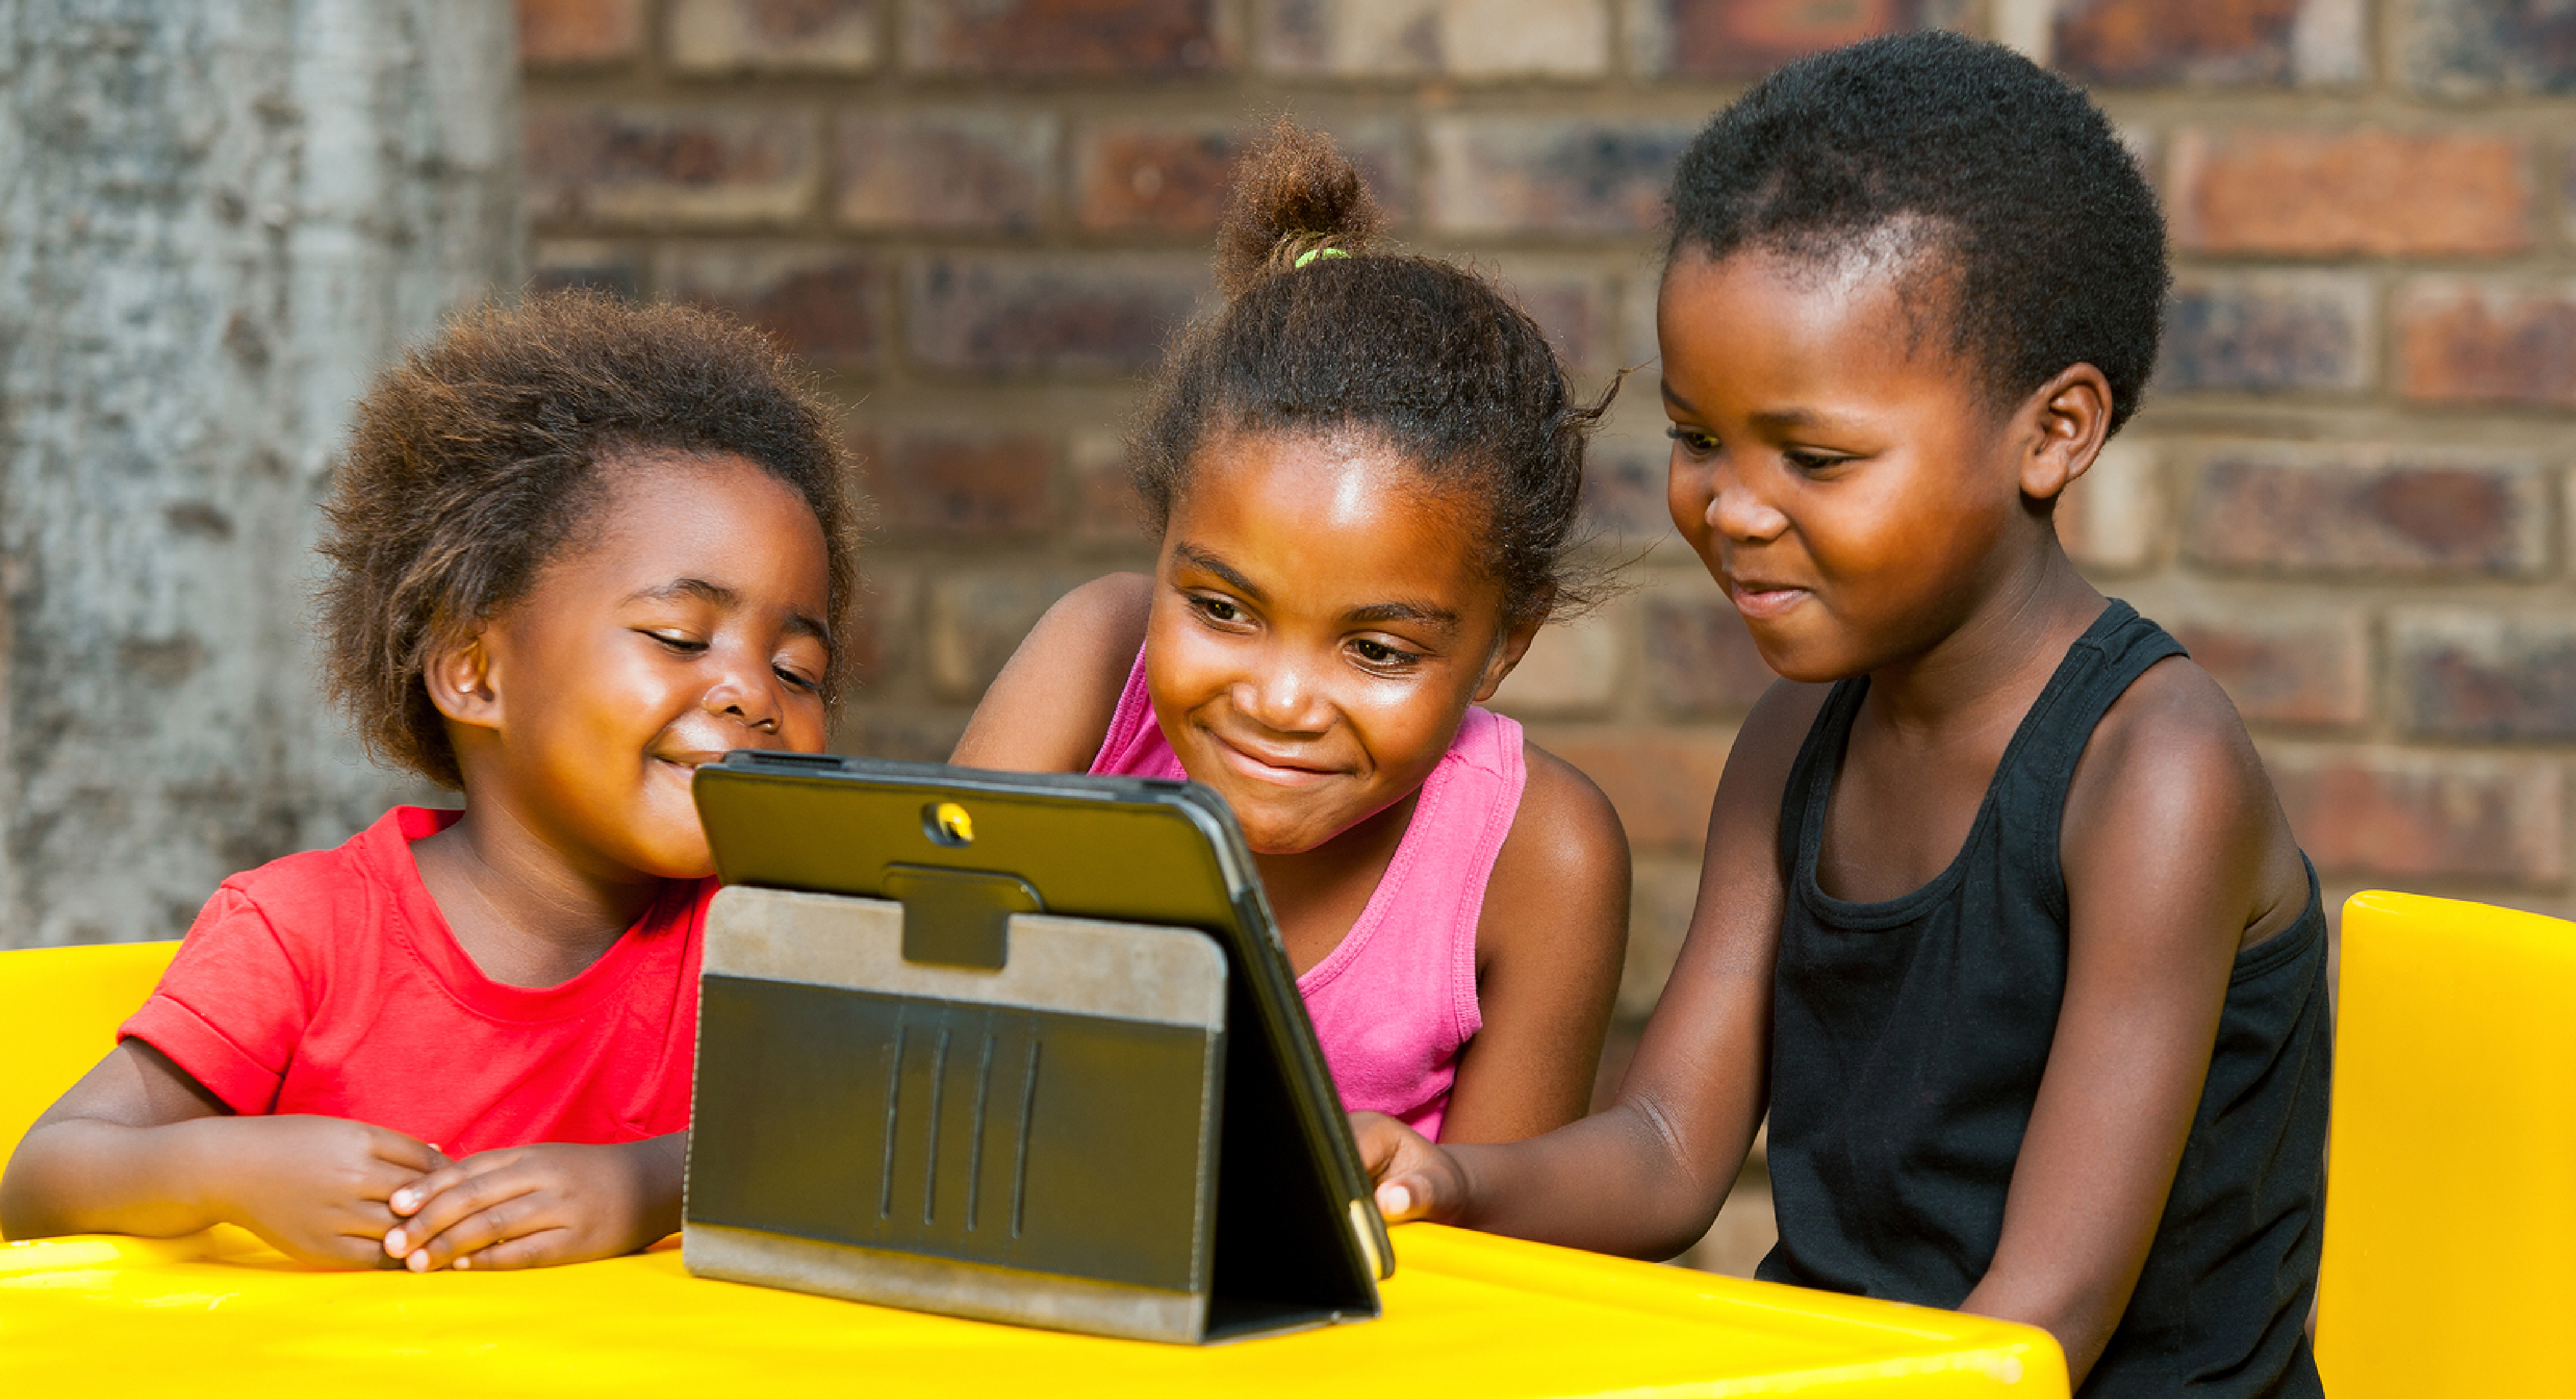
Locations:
column 448, row 1175
column 1379, row 1138
column 404, row 1153
column 473, row 1200
column 531, row 1250
column 1408, row 1196
column 476, row 1233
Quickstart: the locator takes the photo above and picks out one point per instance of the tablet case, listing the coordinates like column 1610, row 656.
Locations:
column 1015, row 1047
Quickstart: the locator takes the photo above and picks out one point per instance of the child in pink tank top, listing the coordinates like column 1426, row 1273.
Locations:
column 1364, row 473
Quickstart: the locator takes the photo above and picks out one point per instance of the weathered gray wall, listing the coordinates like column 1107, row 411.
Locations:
column 216, row 219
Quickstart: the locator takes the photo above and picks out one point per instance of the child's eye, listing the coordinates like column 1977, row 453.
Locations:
column 797, row 678
column 1215, row 609
column 1381, row 655
column 1694, row 441
column 1811, row 462
column 681, row 642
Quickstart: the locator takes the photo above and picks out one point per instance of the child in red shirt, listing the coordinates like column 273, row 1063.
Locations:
column 578, row 548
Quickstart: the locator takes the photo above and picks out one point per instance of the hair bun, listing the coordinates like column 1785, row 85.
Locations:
column 1293, row 192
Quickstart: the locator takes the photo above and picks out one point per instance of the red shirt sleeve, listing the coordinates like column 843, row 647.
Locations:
column 232, row 1007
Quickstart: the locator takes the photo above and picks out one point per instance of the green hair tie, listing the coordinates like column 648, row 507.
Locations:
column 1313, row 253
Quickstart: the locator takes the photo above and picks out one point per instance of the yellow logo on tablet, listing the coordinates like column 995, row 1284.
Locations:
column 952, row 825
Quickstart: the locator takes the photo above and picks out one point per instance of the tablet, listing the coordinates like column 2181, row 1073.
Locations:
column 1023, row 1046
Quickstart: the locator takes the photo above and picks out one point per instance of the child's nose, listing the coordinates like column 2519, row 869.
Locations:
column 1738, row 511
column 1282, row 698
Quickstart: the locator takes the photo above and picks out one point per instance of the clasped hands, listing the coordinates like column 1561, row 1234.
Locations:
column 346, row 1194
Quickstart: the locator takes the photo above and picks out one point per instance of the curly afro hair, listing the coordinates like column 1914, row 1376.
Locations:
column 1324, row 331
column 2018, row 194
column 477, row 458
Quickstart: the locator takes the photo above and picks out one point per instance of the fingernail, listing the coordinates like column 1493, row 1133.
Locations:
column 418, row 1262
column 394, row 1243
column 462, row 1264
column 1395, row 1199
column 403, row 1202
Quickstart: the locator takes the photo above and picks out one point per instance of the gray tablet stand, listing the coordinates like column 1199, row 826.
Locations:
column 986, row 1113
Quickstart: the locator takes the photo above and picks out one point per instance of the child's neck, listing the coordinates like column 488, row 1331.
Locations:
column 525, row 914
column 1317, row 895
column 1990, row 668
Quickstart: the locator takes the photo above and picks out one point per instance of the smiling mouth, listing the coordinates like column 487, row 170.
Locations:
column 1762, row 600
column 1278, row 770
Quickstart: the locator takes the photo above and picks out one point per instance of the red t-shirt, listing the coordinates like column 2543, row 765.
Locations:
column 327, row 982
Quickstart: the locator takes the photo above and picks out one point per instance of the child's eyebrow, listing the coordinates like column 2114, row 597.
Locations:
column 1421, row 613
column 798, row 623
column 1200, row 558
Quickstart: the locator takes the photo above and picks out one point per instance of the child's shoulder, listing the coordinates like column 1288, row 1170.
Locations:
column 313, row 892
column 1055, row 697
column 1566, row 832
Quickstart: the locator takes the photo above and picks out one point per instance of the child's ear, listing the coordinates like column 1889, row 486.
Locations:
column 2067, row 421
column 1515, row 644
column 461, row 685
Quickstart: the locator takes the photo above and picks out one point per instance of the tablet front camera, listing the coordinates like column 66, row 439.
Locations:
column 948, row 824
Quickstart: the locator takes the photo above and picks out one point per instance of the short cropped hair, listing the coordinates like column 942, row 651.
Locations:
column 477, row 458
column 2042, row 232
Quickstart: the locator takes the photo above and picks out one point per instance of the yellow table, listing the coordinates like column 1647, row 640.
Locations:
column 217, row 1314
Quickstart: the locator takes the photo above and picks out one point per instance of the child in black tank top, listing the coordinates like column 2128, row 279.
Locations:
column 2000, row 921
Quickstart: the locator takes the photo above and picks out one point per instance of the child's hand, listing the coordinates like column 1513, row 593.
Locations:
column 315, row 1187
column 1415, row 1179
column 529, row 1206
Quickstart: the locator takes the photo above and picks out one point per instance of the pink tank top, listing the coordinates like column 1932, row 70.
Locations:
column 1396, row 1001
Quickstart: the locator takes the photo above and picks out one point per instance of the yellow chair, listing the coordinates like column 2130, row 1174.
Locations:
column 2450, row 1247
column 59, row 1009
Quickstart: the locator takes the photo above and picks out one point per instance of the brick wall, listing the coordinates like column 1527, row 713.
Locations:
column 981, row 216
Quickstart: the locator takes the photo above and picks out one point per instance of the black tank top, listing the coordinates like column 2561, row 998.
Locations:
column 1908, row 1038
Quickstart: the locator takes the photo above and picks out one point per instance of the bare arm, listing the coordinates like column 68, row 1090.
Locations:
column 1645, row 1176
column 2170, row 838
column 139, row 1147
column 1548, row 951
column 1050, row 706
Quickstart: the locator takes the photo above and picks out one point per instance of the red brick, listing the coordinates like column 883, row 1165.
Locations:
column 963, row 486
column 1570, row 670
column 821, row 303
column 2389, row 519
column 1395, row 38
column 1092, row 38
column 668, row 165
column 1164, row 177
column 1172, row 177
column 1748, row 38
column 1517, row 175
column 2426, row 815
column 2177, row 41
column 2468, row 47
column 885, row 628
column 976, row 619
column 2312, row 672
column 574, row 33
column 1662, row 894
column 1000, row 314
column 1623, row 490
column 1106, row 507
column 947, row 168
column 2112, row 520
column 2459, row 343
column 2323, row 192
column 614, row 268
column 2477, row 675
column 1661, row 780
column 900, row 731
column 1572, row 306
column 815, row 36
column 1700, row 660
column 2267, row 333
